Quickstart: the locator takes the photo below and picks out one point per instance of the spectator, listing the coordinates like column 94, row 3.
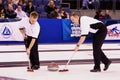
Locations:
column 55, row 13
column 97, row 4
column 49, row 7
column 1, row 10
column 88, row 4
column 10, row 13
column 20, row 12
column 15, row 1
column 1, row 5
column 2, row 14
column 107, row 15
column 99, row 15
column 91, row 4
column 6, row 4
column 64, row 14
column 29, row 8
column 21, row 2
column 85, row 4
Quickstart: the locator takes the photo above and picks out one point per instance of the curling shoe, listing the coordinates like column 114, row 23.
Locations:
column 107, row 65
column 35, row 67
column 95, row 70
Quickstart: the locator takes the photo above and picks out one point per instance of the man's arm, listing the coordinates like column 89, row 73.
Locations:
column 23, row 33
column 31, row 45
column 82, row 39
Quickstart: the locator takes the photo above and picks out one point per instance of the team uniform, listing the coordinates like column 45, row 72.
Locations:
column 99, row 31
column 31, row 31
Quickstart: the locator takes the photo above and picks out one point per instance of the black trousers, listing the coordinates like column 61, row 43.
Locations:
column 98, row 39
column 34, row 55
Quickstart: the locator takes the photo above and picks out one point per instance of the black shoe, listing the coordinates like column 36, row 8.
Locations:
column 107, row 65
column 35, row 67
column 95, row 70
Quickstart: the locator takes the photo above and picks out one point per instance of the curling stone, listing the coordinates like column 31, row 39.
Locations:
column 53, row 67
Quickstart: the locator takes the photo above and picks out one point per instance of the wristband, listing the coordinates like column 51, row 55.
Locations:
column 77, row 45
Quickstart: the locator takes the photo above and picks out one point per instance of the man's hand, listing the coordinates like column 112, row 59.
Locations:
column 81, row 40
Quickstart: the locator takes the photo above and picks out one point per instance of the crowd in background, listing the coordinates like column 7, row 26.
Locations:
column 91, row 4
column 23, row 8
column 100, row 15
column 13, row 9
column 20, row 9
column 54, row 11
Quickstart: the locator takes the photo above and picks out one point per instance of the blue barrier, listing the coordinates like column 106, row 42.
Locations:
column 52, row 32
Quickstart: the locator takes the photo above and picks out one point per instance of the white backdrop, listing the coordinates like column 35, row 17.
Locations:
column 9, row 31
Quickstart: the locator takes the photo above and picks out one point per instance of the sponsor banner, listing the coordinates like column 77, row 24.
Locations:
column 9, row 31
column 70, row 31
column 113, row 32
column 76, row 31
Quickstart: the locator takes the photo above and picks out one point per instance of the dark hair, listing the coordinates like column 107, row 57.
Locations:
column 74, row 14
column 56, row 7
column 19, row 5
column 29, row 1
column 98, row 11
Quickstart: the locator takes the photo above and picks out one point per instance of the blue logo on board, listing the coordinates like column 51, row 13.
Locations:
column 114, row 32
column 6, row 31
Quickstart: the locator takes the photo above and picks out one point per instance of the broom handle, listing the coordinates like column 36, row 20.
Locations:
column 69, row 60
column 29, row 64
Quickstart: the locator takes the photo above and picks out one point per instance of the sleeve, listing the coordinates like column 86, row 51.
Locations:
column 21, row 22
column 36, row 31
column 85, row 27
